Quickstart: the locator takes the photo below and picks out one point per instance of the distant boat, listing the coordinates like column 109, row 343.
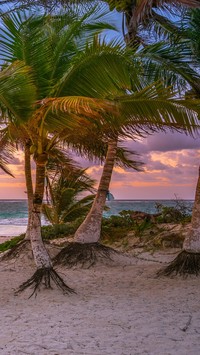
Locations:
column 109, row 196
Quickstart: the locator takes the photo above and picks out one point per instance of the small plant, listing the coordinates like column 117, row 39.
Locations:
column 60, row 230
column 115, row 228
column 180, row 212
column 141, row 227
column 11, row 243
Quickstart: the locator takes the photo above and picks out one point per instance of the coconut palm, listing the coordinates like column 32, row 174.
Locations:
column 44, row 135
column 136, row 14
column 159, row 61
column 140, row 13
column 65, row 201
column 188, row 260
column 17, row 47
column 81, row 87
column 86, row 247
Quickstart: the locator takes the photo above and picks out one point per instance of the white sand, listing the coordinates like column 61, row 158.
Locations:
column 11, row 231
column 118, row 310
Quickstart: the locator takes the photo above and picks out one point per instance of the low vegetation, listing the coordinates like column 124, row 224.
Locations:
column 129, row 229
column 11, row 243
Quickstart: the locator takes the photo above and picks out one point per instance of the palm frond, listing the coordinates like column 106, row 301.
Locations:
column 102, row 70
column 143, row 9
column 17, row 91
column 126, row 158
column 6, row 154
column 175, row 64
column 155, row 107
column 86, row 108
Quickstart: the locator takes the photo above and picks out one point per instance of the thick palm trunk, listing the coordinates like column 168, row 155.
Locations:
column 192, row 241
column 45, row 272
column 40, row 253
column 188, row 261
column 90, row 230
column 29, row 185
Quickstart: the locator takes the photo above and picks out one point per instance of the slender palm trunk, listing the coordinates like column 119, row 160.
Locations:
column 192, row 241
column 90, row 230
column 40, row 253
column 45, row 272
column 29, row 185
column 132, row 37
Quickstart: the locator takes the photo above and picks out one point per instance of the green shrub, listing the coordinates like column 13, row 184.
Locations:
column 56, row 231
column 117, row 227
column 11, row 243
column 60, row 230
column 122, row 220
column 174, row 214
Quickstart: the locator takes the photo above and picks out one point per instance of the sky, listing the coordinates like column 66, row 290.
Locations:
column 171, row 164
column 171, row 168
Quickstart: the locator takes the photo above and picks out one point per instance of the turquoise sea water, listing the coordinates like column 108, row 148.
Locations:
column 14, row 212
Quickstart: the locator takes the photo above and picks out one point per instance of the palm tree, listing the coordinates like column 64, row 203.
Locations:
column 65, row 202
column 81, row 87
column 86, row 247
column 41, row 140
column 187, row 261
column 139, row 14
column 44, row 129
column 136, row 14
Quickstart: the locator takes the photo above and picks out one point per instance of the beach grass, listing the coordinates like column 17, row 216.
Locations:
column 10, row 243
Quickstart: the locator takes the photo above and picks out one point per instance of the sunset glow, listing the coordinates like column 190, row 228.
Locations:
column 167, row 171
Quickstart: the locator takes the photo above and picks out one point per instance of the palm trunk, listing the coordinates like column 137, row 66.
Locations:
column 187, row 261
column 45, row 272
column 90, row 230
column 192, row 241
column 29, row 185
column 40, row 253
column 132, row 38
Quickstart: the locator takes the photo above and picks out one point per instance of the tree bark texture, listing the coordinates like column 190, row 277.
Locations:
column 192, row 241
column 40, row 253
column 29, row 185
column 90, row 230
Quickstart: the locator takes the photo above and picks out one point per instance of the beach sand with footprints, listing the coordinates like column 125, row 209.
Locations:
column 119, row 309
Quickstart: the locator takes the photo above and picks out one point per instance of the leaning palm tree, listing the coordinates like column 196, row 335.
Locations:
column 110, row 96
column 51, row 115
column 41, row 140
column 86, row 247
column 187, row 261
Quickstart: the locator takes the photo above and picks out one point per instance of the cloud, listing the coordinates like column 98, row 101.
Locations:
column 164, row 142
column 171, row 166
column 171, row 141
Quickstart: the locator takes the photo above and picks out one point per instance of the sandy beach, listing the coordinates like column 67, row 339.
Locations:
column 10, row 231
column 119, row 309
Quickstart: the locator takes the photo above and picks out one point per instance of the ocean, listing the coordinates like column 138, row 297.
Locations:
column 14, row 212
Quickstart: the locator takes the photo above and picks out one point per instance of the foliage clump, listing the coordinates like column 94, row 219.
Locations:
column 120, row 6
column 179, row 213
column 11, row 243
column 116, row 227
column 60, row 230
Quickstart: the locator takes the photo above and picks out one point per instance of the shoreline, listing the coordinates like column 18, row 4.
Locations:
column 10, row 231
